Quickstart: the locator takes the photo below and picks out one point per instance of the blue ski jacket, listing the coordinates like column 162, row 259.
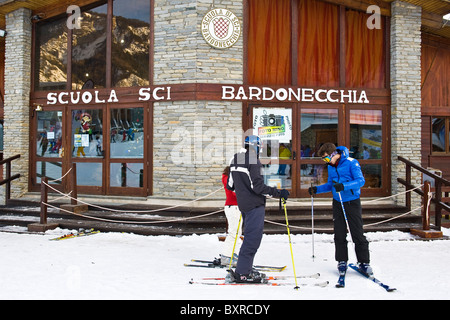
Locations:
column 348, row 172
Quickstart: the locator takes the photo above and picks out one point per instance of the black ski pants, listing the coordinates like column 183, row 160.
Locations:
column 354, row 217
column 253, row 232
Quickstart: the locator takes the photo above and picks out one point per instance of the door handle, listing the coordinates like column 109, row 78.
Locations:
column 294, row 155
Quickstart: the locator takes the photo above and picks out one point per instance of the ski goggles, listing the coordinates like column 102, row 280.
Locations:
column 327, row 159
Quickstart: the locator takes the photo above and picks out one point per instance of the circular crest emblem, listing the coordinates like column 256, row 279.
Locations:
column 221, row 28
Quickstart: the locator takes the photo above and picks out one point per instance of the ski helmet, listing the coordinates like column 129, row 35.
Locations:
column 254, row 142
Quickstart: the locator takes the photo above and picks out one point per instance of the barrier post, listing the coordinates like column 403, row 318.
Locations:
column 426, row 232
column 44, row 198
column 73, row 184
column 74, row 206
column 43, row 225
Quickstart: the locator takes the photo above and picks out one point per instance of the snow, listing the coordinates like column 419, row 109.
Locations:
column 108, row 266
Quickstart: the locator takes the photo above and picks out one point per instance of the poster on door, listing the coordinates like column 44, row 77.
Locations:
column 273, row 124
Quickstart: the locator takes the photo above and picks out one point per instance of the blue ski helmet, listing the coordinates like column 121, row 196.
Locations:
column 253, row 142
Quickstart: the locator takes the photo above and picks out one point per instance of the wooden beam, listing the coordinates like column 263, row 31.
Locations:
column 363, row 5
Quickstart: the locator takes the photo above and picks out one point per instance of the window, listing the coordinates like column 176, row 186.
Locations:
column 87, row 133
column 318, row 126
column 365, row 134
column 269, row 42
column 96, row 62
column 127, row 133
column 440, row 135
column 89, row 49
column 318, row 44
column 49, row 133
column 126, row 175
column 51, row 55
column 274, row 127
column 365, row 52
column 317, row 52
column 131, row 44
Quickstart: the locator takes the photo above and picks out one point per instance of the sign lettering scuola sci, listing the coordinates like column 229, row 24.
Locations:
column 227, row 93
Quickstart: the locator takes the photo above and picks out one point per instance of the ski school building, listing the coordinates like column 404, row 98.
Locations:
column 151, row 98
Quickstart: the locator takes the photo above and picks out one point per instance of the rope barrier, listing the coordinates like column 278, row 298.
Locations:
column 133, row 222
column 63, row 195
column 131, row 211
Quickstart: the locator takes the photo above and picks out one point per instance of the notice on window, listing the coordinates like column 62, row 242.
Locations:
column 273, row 124
column 81, row 140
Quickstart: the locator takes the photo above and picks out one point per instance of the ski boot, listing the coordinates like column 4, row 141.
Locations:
column 253, row 277
column 365, row 268
column 342, row 267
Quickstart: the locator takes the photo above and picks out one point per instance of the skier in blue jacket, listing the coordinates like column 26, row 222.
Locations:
column 345, row 177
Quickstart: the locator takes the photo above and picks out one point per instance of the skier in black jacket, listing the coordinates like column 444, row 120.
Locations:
column 246, row 181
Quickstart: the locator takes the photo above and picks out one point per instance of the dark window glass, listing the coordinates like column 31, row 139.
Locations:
column 318, row 126
column 51, row 55
column 87, row 133
column 49, row 133
column 127, row 133
column 366, row 134
column 438, row 134
column 89, row 49
column 130, row 43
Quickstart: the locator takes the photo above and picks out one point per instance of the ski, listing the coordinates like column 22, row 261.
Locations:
column 212, row 264
column 268, row 283
column 384, row 286
column 311, row 276
column 81, row 233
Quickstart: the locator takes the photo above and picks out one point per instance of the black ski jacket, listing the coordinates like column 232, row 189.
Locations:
column 246, row 181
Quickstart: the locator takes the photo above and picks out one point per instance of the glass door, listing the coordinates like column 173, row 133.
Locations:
column 127, row 149
column 368, row 144
column 317, row 126
column 87, row 148
column 274, row 125
column 48, row 154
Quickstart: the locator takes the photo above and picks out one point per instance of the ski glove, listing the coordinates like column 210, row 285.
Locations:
column 338, row 187
column 284, row 194
column 312, row 190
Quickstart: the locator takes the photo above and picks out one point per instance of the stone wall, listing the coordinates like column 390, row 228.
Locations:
column 405, row 91
column 193, row 140
column 17, row 95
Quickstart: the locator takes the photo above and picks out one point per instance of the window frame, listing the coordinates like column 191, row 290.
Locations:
column 109, row 43
column 446, row 151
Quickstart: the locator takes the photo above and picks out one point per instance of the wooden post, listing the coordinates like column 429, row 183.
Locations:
column 44, row 198
column 408, row 181
column 425, row 232
column 74, row 185
column 8, row 185
column 74, row 206
column 438, row 209
column 426, row 206
column 43, row 226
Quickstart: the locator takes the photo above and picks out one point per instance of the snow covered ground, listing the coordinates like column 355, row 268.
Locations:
column 127, row 266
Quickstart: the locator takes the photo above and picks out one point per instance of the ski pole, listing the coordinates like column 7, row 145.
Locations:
column 312, row 223
column 290, row 243
column 345, row 217
column 235, row 239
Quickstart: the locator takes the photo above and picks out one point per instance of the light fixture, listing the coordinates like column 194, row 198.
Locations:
column 36, row 107
column 2, row 33
column 446, row 19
